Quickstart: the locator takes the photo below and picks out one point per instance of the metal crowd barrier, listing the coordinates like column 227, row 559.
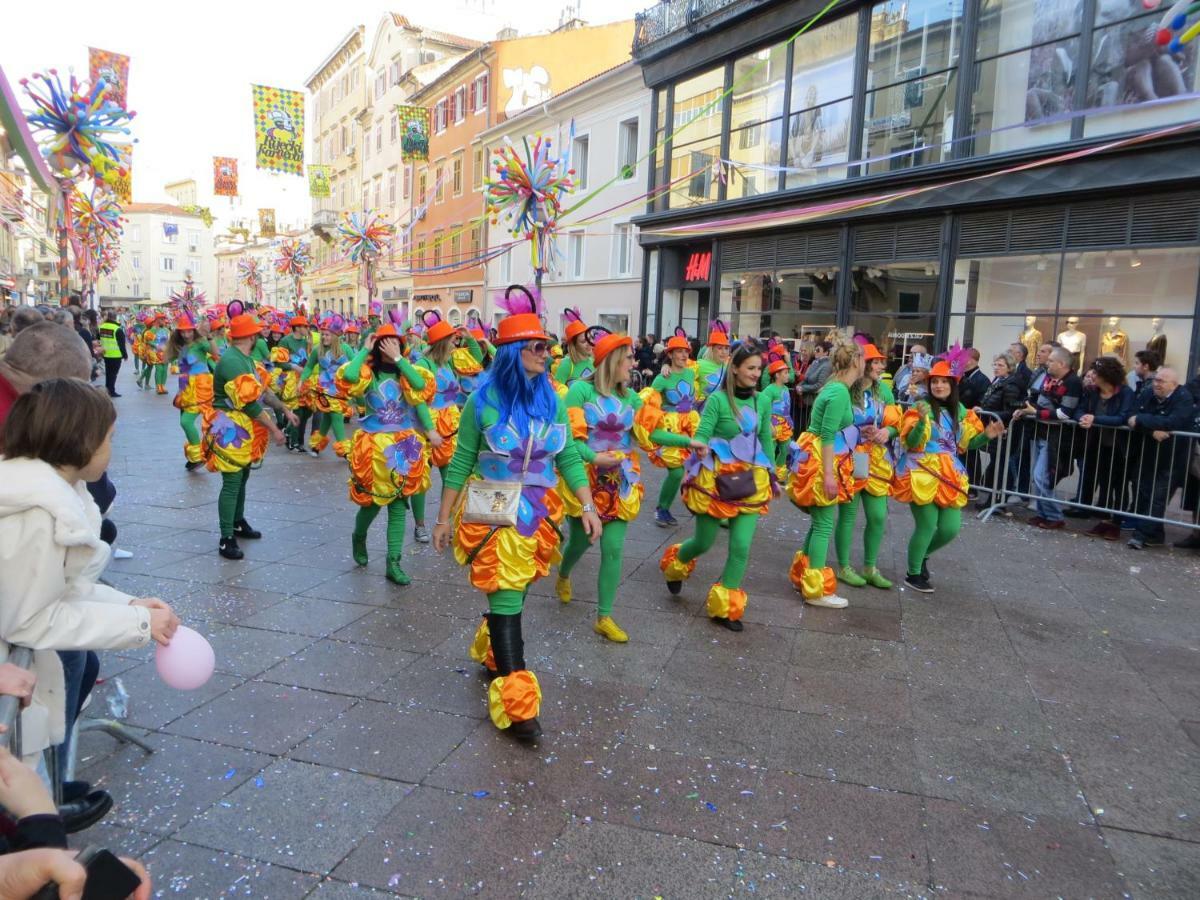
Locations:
column 10, row 707
column 1111, row 471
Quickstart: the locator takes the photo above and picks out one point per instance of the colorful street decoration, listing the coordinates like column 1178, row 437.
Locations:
column 266, row 223
column 123, row 186
column 250, row 276
column 114, row 69
column 75, row 123
column 414, row 133
column 295, row 256
column 363, row 237
column 318, row 181
column 279, row 129
column 225, row 176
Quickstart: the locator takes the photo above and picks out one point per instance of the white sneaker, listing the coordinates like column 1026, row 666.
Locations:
column 832, row 601
column 121, row 554
column 421, row 534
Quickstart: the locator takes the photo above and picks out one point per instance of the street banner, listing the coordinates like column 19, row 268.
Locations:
column 279, row 129
column 318, row 181
column 225, row 176
column 114, row 69
column 123, row 186
column 266, row 223
column 414, row 133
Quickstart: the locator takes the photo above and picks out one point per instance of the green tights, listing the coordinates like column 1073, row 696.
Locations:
column 191, row 432
column 231, row 502
column 670, row 488
column 397, row 510
column 843, row 537
column 506, row 603
column 327, row 422
column 933, row 529
column 612, row 548
column 781, row 453
column 741, row 534
column 816, row 544
column 160, row 375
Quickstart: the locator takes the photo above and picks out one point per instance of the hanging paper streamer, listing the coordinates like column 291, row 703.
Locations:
column 75, row 124
column 414, row 133
column 266, row 223
column 363, row 237
column 293, row 261
column 527, row 191
column 318, row 181
column 225, row 176
column 250, row 276
column 279, row 129
column 114, row 69
column 123, row 186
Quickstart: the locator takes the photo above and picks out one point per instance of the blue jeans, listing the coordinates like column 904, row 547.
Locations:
column 1043, row 482
column 80, row 669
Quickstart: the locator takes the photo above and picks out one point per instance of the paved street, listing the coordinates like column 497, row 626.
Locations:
column 1032, row 729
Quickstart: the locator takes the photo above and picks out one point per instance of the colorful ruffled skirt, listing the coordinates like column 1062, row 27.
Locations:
column 387, row 465
column 505, row 558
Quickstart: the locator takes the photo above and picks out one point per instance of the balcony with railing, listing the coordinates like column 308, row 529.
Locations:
column 670, row 22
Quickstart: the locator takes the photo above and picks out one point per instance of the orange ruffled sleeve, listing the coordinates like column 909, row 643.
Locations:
column 348, row 388
column 412, row 396
column 910, row 422
column 648, row 419
column 243, row 390
column 972, row 428
column 579, row 429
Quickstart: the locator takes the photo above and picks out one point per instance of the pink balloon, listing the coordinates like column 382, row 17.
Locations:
column 187, row 662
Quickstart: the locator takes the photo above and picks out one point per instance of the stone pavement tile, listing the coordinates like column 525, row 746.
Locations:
column 599, row 860
column 1037, row 618
column 1171, row 672
column 745, row 678
column 385, row 740
column 846, row 694
column 191, row 540
column 943, row 711
column 339, row 667
column 1057, row 644
column 276, row 547
column 163, row 518
column 766, row 877
column 362, row 587
column 165, row 586
column 858, row 621
column 1002, row 775
column 149, row 560
column 208, row 568
column 152, row 703
column 848, row 653
column 411, row 629
column 182, row 778
column 588, row 656
column 270, row 718
column 857, row 828
column 298, row 815
column 266, row 510
column 343, row 890
column 717, row 642
column 306, row 615
column 1193, row 731
column 455, row 686
column 251, row 651
column 188, row 870
column 662, row 628
column 584, row 709
column 768, row 610
column 290, row 579
column 945, row 604
column 981, row 655
column 1081, row 685
column 1153, row 794
column 834, row 747
column 438, row 843
column 120, row 840
column 1156, row 867
column 136, row 535
column 704, row 727
column 221, row 603
column 982, row 851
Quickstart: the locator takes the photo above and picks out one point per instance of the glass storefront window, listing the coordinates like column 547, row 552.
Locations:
column 1007, row 25
column 698, row 163
column 795, row 303
column 912, row 38
column 818, row 144
column 909, row 124
column 896, row 304
column 758, row 81
column 991, row 297
column 1004, row 117
column 754, row 152
column 699, row 106
column 823, row 64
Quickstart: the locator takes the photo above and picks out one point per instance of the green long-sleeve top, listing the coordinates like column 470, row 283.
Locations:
column 352, row 372
column 767, row 380
column 582, row 393
column 719, row 419
column 338, row 351
column 470, row 441
column 832, row 412
column 234, row 363
column 296, row 347
column 261, row 352
column 567, row 372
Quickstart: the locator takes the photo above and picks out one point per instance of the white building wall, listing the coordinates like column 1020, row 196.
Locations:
column 152, row 265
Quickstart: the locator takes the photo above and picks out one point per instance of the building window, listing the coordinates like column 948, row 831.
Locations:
column 394, row 128
column 506, row 267
column 818, row 126
column 439, row 183
column 378, row 193
column 579, row 161
column 346, row 145
column 391, row 187
column 407, row 189
column 439, row 116
column 168, row 263
column 422, row 186
column 627, row 149
column 460, row 104
column 457, row 174
column 367, row 145
column 193, row 242
column 380, row 84
column 476, row 239
column 170, row 233
column 194, row 265
column 378, row 136
column 575, row 255
column 135, row 233
column 796, row 302
column 624, row 249
column 366, row 196
column 479, row 93
column 456, row 246
column 135, row 260
column 617, row 323
column 136, row 289
column 437, row 249
column 477, row 157
column 419, row 256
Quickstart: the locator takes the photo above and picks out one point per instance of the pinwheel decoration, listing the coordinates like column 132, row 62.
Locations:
column 75, row 122
column 295, row 256
column 363, row 237
column 250, row 276
column 527, row 191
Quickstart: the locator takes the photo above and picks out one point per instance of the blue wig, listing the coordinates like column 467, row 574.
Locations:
column 505, row 387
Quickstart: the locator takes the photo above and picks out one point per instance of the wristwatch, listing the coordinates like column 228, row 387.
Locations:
column 587, row 508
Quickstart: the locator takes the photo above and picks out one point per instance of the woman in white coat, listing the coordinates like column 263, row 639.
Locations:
column 57, row 437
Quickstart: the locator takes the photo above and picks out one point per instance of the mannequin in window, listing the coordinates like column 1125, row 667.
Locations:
column 1158, row 340
column 1031, row 337
column 1074, row 341
column 1115, row 342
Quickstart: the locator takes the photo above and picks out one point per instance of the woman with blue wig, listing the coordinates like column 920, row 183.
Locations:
column 514, row 428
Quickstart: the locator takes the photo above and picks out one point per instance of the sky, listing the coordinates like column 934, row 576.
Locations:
column 193, row 64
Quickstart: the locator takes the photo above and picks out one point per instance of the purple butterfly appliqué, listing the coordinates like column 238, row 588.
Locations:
column 402, row 455
column 387, row 410
column 609, row 423
column 505, row 460
column 228, row 432
column 681, row 397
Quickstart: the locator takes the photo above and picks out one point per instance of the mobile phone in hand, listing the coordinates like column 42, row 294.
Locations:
column 107, row 877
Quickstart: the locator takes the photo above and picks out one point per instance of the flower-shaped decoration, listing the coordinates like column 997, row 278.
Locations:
column 446, row 389
column 712, row 381
column 402, row 455
column 506, row 459
column 609, row 424
column 681, row 397
column 745, row 446
column 387, row 411
column 944, row 434
column 466, row 387
column 330, row 363
column 227, row 432
column 192, row 361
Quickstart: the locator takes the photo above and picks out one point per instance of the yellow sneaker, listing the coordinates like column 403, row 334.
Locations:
column 606, row 627
column 562, row 587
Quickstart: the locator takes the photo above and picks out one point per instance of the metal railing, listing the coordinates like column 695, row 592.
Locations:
column 10, row 707
column 670, row 16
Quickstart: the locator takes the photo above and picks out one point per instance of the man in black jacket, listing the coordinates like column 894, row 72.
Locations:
column 971, row 388
column 1162, row 460
column 1024, row 374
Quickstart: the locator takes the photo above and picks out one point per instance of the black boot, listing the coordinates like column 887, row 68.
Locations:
column 229, row 548
column 243, row 529
column 508, row 649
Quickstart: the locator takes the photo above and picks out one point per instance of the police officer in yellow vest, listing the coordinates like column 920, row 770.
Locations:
column 112, row 343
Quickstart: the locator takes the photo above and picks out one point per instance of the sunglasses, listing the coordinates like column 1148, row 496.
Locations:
column 538, row 348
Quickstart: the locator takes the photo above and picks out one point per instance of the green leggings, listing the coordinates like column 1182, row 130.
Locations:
column 781, row 453
column 741, row 534
column 612, row 548
column 397, row 510
column 191, row 431
column 144, row 375
column 843, row 537
column 231, row 502
column 670, row 488
column 160, row 375
column 816, row 544
column 331, row 421
column 506, row 603
column 934, row 528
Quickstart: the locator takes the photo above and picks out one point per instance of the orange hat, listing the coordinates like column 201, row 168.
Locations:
column 185, row 322
column 777, row 366
column 352, row 327
column 678, row 343
column 520, row 327
column 383, row 331
column 575, row 324
column 719, row 335
column 477, row 333
column 608, row 343
column 439, row 331
column 941, row 369
column 870, row 352
column 244, row 326
column 298, row 322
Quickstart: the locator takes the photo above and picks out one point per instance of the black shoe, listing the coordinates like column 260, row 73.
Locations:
column 731, row 624
column 193, row 466
column 675, row 587
column 526, row 731
column 85, row 812
column 919, row 583
column 229, row 549
column 242, row 529
column 75, row 790
column 113, row 394
column 1192, row 542
column 925, row 568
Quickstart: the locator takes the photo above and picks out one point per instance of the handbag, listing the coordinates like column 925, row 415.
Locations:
column 735, row 486
column 495, row 503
